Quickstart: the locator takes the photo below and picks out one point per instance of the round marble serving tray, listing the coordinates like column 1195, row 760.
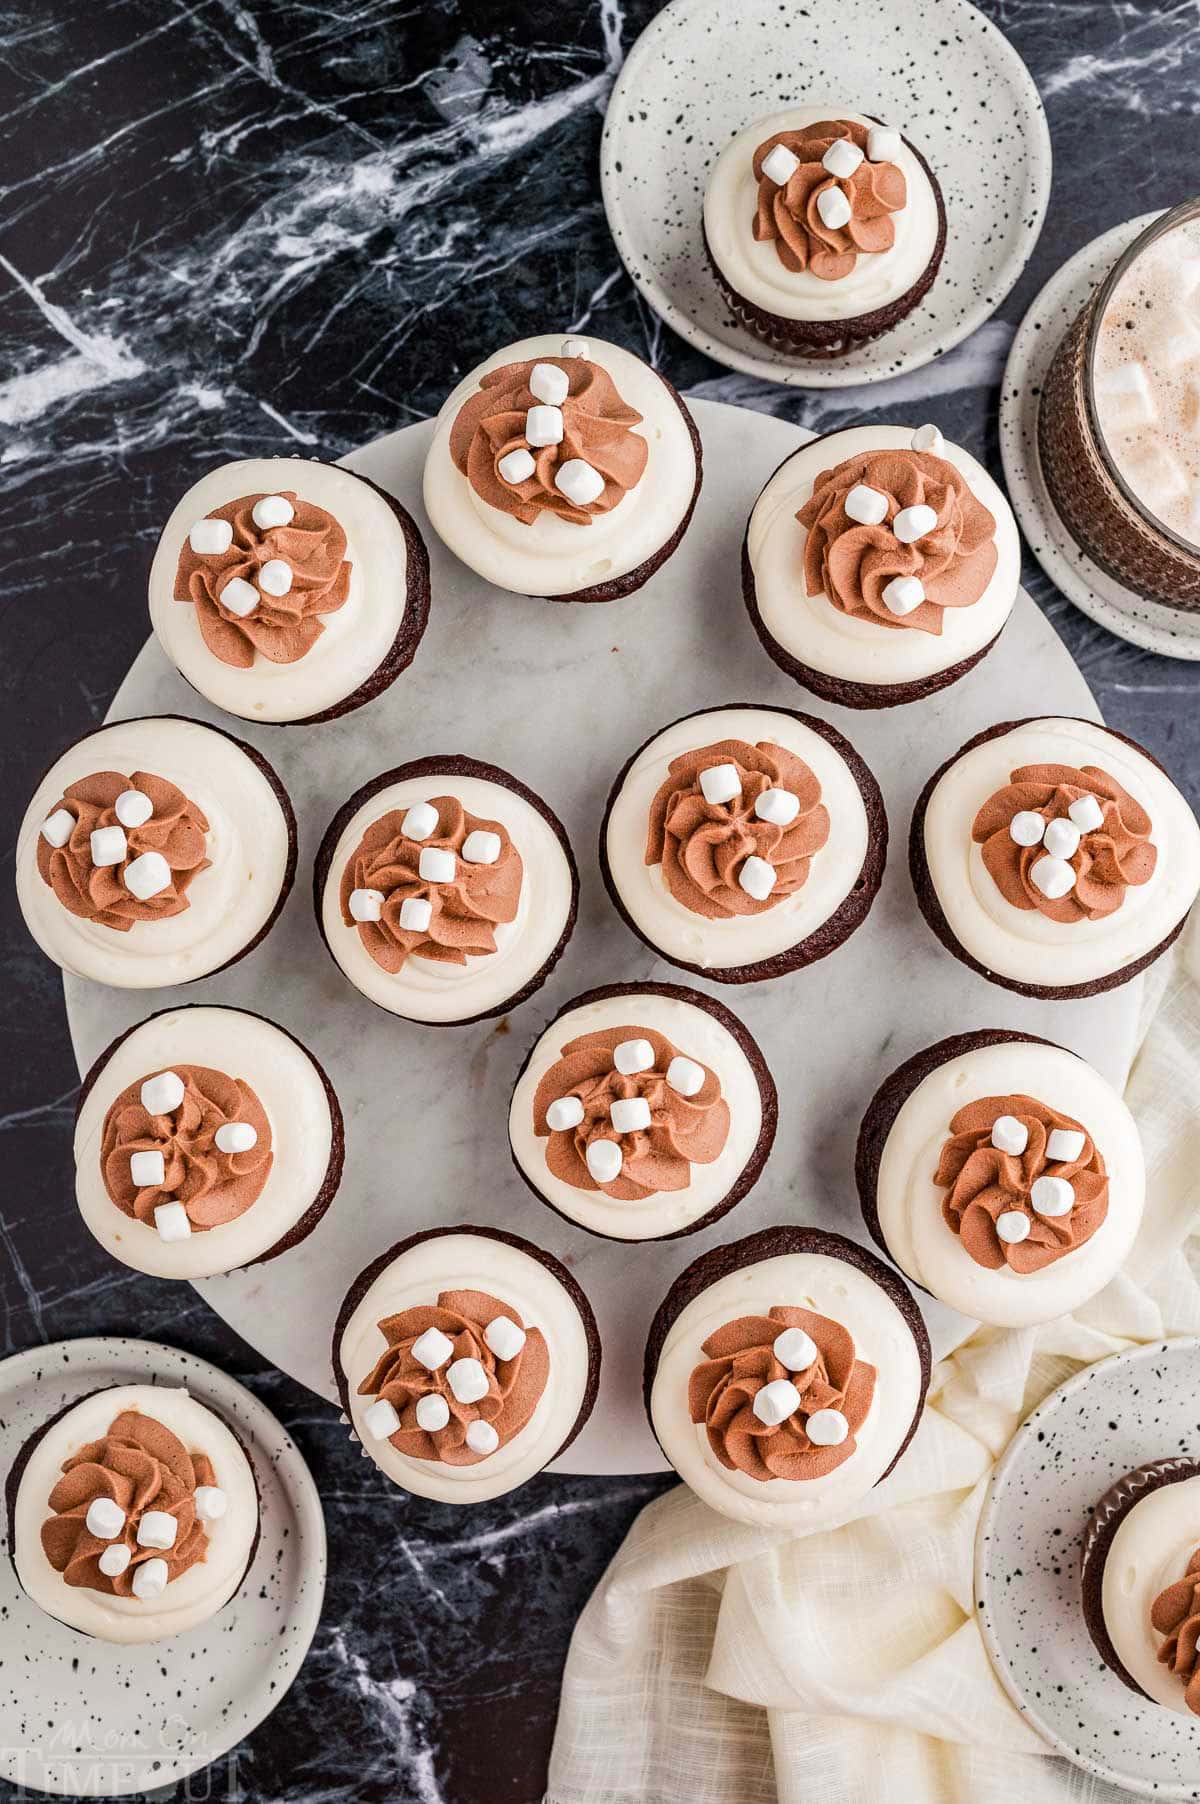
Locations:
column 561, row 696
column 85, row 1718
column 1111, row 1417
column 1124, row 612
column 703, row 69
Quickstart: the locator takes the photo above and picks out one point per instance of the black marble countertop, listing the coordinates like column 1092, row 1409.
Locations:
column 240, row 227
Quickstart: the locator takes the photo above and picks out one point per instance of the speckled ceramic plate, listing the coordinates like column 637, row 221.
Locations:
column 703, row 69
column 1121, row 610
column 1110, row 1418
column 84, row 1718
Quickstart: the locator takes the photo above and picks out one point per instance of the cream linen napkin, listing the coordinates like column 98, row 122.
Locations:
column 720, row 1664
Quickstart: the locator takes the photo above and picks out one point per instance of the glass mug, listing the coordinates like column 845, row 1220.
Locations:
column 1102, row 511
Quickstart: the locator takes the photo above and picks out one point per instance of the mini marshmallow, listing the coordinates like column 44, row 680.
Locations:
column 482, row 1437
column 147, row 876
column 366, row 904
column 779, row 806
column 912, row 523
column 517, row 466
column 209, row 538
column 827, row 1428
column 163, row 1094
column 1013, row 1227
column 776, row 1401
column 544, row 426
column 1064, row 1145
column 171, row 1222
column 132, row 808
column 834, row 208
column 239, row 596
column 780, row 165
column 272, row 510
column 381, row 1420
column 842, row 158
column 604, row 1160
column 564, row 1114
column 503, row 1337
column 927, row 438
column 1051, row 1196
column 275, row 577
column 1128, row 397
column 433, row 1412
column 632, row 1056
column 1061, row 838
column 105, row 1518
column 685, row 1075
column 630, row 1114
column 150, row 1578
column 416, row 912
column 432, row 1349
column 1027, row 827
column 1009, row 1135
column 467, row 1379
column 147, row 1169
column 211, row 1502
column 720, row 783
column 579, row 481
column 548, row 383
column 437, row 865
column 1087, row 814
column 58, row 827
column 794, row 1349
column 420, row 821
column 1054, row 877
column 576, row 347
column 883, row 144
column 903, row 594
column 236, row 1137
column 866, row 505
column 109, row 845
column 113, row 1560
column 157, row 1528
column 757, row 877
column 481, row 847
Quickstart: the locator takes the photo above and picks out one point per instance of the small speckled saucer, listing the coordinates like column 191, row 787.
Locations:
column 936, row 69
column 1110, row 1418
column 1100, row 596
column 87, row 1718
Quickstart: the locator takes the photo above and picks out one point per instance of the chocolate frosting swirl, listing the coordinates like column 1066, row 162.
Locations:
column 1114, row 855
column 788, row 215
column 684, row 1130
column 740, row 1362
column 281, row 628
column 142, row 1466
column 514, row 1385
column 597, row 427
column 214, row 1187
column 1175, row 1613
column 465, row 910
column 982, row 1183
column 852, row 564
column 702, row 846
column 177, row 829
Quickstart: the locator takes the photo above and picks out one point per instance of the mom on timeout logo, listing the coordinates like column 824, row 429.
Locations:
column 75, row 1759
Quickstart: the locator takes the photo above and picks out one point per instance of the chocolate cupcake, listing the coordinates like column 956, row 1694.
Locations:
column 565, row 468
column 1140, row 1581
column 154, row 851
column 1002, row 1174
column 744, row 842
column 288, row 590
column 1054, row 857
column 880, row 565
column 133, row 1514
column 824, row 229
column 446, row 890
column 644, row 1111
column 466, row 1360
column 785, row 1375
column 206, row 1139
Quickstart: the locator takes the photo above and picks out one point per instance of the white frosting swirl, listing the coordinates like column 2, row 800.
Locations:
column 1150, row 1550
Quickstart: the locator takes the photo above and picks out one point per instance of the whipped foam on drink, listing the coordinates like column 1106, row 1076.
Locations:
column 1146, row 379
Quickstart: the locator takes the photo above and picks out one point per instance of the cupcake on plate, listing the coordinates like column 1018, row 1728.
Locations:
column 446, row 890
column 744, row 842
column 206, row 1139
column 564, row 468
column 644, row 1111
column 133, row 1514
column 154, row 851
column 1003, row 1174
column 1140, row 1578
column 880, row 565
column 824, row 229
column 1054, row 857
column 785, row 1375
column 466, row 1360
column 285, row 589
